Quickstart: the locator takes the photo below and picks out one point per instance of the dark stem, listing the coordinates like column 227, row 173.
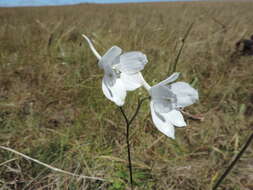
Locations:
column 138, row 108
column 128, row 147
column 128, row 123
column 234, row 162
column 181, row 49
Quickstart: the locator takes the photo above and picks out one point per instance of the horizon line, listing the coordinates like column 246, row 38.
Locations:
column 79, row 2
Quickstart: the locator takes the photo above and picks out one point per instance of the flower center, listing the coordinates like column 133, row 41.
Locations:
column 110, row 75
column 116, row 71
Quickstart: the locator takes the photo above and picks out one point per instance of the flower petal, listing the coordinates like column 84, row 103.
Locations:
column 170, row 79
column 110, row 76
column 110, row 56
column 131, row 82
column 161, row 92
column 163, row 106
column 161, row 124
column 175, row 118
column 132, row 62
column 115, row 93
column 164, row 100
column 186, row 95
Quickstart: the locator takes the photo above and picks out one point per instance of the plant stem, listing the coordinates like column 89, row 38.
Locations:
column 128, row 123
column 138, row 109
column 181, row 49
column 128, row 146
column 234, row 162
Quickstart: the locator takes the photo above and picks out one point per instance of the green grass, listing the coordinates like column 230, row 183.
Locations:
column 52, row 107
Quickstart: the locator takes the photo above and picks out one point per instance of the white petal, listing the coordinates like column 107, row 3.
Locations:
column 170, row 79
column 175, row 118
column 163, row 126
column 164, row 100
column 115, row 93
column 110, row 55
column 163, row 106
column 110, row 76
column 132, row 62
column 131, row 82
column 186, row 95
column 161, row 92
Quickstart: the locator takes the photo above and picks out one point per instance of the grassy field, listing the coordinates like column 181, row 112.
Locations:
column 52, row 107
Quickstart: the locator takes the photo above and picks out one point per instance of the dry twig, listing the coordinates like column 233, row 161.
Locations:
column 49, row 166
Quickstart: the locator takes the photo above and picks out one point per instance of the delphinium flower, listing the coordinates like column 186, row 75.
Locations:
column 122, row 74
column 121, row 71
column 167, row 100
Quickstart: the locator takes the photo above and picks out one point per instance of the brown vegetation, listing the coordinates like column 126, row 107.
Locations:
column 52, row 107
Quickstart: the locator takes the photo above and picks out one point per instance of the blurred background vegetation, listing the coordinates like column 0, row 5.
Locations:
column 52, row 107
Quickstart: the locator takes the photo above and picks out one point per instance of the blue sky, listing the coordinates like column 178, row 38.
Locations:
column 13, row 3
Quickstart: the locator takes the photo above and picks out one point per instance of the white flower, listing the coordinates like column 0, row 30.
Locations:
column 166, row 101
column 122, row 71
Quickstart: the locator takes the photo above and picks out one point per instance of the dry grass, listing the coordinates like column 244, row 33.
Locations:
column 52, row 107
